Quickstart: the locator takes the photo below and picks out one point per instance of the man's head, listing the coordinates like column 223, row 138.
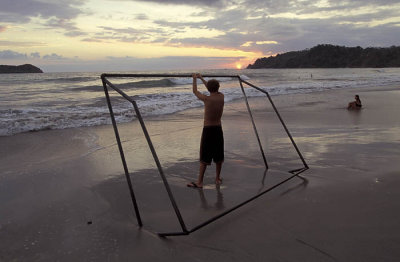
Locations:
column 212, row 86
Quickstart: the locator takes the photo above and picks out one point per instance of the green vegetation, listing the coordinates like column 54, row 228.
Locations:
column 332, row 56
column 27, row 68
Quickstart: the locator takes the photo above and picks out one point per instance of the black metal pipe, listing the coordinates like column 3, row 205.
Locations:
column 227, row 211
column 160, row 170
column 121, row 152
column 119, row 91
column 240, row 205
column 173, row 234
column 280, row 118
column 254, row 124
column 299, row 171
column 253, row 86
column 146, row 134
column 112, row 75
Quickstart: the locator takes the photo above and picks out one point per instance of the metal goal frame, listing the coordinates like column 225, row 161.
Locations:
column 185, row 231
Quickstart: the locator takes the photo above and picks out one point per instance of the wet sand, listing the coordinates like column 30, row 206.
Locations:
column 64, row 196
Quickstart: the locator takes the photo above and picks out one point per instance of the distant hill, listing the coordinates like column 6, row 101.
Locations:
column 27, row 68
column 332, row 56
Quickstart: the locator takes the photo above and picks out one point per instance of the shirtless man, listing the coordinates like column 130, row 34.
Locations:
column 212, row 138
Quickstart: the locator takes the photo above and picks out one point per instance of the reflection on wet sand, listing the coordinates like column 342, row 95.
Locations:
column 219, row 203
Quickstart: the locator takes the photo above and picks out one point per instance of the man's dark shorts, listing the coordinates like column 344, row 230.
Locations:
column 212, row 145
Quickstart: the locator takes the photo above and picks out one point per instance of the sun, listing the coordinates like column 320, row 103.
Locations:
column 238, row 66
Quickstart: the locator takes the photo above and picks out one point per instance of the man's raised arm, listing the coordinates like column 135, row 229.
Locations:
column 202, row 79
column 195, row 91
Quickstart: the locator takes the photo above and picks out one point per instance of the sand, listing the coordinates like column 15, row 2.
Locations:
column 64, row 196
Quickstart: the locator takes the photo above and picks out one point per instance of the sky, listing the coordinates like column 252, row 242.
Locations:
column 128, row 35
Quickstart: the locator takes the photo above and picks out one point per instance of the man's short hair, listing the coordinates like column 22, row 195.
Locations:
column 213, row 86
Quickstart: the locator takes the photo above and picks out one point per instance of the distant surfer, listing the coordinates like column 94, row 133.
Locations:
column 212, row 138
column 355, row 104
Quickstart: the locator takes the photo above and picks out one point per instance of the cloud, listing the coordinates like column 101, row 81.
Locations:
column 35, row 55
column 18, row 43
column 75, row 33
column 265, row 27
column 22, row 11
column 279, row 26
column 251, row 43
column 141, row 17
column 11, row 55
column 60, row 23
column 54, row 56
column 92, row 40
column 67, row 25
column 128, row 34
column 53, row 14
column 205, row 3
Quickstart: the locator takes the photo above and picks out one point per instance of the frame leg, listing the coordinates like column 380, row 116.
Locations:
column 121, row 151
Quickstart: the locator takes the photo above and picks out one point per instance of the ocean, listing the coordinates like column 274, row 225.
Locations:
column 33, row 102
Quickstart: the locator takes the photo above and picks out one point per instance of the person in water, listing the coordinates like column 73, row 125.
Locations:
column 212, row 138
column 355, row 104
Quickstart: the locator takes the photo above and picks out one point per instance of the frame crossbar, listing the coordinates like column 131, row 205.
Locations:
column 185, row 231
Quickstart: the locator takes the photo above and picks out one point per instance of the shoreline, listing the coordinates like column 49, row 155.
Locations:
column 278, row 97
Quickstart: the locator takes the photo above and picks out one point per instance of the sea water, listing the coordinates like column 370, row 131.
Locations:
column 32, row 102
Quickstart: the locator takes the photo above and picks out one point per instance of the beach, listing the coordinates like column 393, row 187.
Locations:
column 64, row 196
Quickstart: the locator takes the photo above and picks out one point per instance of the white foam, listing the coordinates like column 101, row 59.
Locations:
column 181, row 81
column 244, row 77
column 25, row 108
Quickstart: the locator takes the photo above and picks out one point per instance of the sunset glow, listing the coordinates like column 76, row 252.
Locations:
column 116, row 35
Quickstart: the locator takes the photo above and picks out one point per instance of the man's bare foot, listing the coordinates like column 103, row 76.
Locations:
column 218, row 181
column 194, row 185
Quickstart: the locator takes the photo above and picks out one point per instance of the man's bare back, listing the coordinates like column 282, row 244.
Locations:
column 213, row 109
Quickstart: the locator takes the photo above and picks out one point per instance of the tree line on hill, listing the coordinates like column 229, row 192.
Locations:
column 332, row 56
column 27, row 68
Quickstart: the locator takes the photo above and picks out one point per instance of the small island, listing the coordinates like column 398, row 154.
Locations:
column 333, row 56
column 27, row 68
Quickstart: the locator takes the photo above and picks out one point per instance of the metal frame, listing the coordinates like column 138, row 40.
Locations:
column 185, row 230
